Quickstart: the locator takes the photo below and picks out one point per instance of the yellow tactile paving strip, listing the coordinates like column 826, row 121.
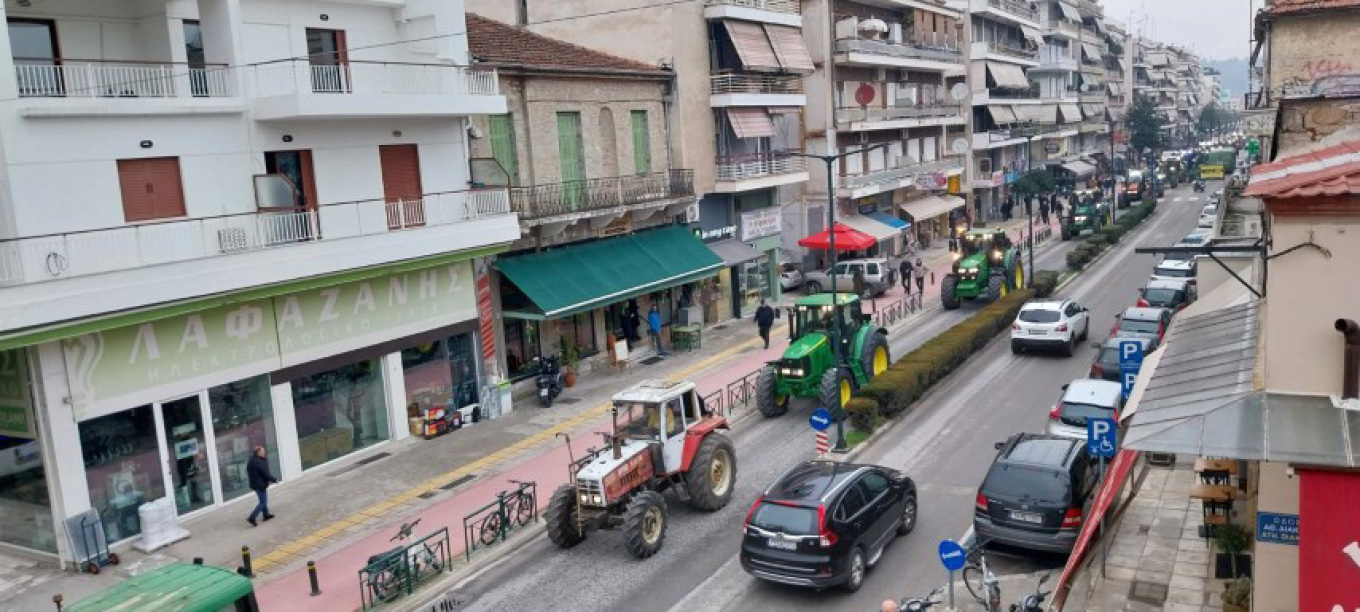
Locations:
column 292, row 551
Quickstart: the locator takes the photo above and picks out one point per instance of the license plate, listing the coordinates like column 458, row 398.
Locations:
column 541, row 392
column 1038, row 332
column 781, row 544
column 1027, row 517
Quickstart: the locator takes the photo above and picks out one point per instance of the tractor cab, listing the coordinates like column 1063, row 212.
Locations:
column 657, row 413
column 819, row 316
column 977, row 245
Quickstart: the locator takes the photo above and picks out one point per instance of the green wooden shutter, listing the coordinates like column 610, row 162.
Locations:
column 569, row 150
column 642, row 143
column 503, row 145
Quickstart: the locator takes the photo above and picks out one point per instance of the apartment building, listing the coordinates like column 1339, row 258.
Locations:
column 1118, row 87
column 1005, row 40
column 735, row 112
column 229, row 224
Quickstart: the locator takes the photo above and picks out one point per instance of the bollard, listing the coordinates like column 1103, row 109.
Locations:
column 56, row 599
column 311, row 576
column 245, row 563
column 198, row 560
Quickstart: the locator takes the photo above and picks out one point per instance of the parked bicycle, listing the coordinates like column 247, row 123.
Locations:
column 978, row 578
column 519, row 507
column 400, row 564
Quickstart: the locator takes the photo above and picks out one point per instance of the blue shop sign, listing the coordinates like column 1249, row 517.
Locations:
column 1277, row 528
column 1012, row 176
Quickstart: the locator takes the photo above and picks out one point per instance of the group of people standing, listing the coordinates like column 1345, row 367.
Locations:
column 912, row 271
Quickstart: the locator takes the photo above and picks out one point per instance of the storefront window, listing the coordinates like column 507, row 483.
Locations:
column 186, row 441
column 723, row 291
column 755, row 284
column 583, row 333
column 122, row 468
column 25, row 509
column 441, row 373
column 243, row 418
column 339, row 412
column 521, row 347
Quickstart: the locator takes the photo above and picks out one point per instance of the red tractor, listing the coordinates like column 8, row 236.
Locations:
column 663, row 436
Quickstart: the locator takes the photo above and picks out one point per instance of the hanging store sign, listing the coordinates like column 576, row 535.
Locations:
column 1258, row 123
column 930, row 181
column 718, row 233
column 759, row 223
column 486, row 315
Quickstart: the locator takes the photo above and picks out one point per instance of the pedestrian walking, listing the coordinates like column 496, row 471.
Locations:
column 920, row 270
column 764, row 321
column 654, row 328
column 257, row 472
column 857, row 280
column 905, row 269
column 632, row 322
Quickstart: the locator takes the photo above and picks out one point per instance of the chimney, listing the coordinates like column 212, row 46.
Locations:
column 1350, row 360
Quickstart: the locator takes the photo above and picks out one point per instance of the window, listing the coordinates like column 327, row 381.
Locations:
column 27, row 516
column 123, row 468
column 243, row 418
column 33, row 43
column 296, row 166
column 874, row 484
column 329, row 59
column 642, row 142
column 440, row 373
column 521, row 348
column 151, row 188
column 583, row 333
column 571, row 153
column 503, row 145
column 339, row 411
column 851, row 503
column 194, row 53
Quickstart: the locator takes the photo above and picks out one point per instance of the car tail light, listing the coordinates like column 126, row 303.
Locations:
column 1143, row 303
column 1015, row 327
column 981, row 503
column 1055, row 413
column 752, row 512
column 1062, row 327
column 826, row 537
column 1097, row 371
column 1072, row 518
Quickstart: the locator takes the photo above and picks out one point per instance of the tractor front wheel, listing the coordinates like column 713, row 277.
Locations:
column 874, row 356
column 947, row 292
column 768, row 401
column 644, row 524
column 712, row 473
column 1017, row 275
column 996, row 287
column 837, row 388
column 564, row 528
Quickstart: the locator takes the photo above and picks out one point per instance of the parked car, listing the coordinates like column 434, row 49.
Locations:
column 1172, row 293
column 1082, row 399
column 825, row 523
column 1175, row 270
column 1136, row 321
column 879, row 276
column 1035, row 493
column 1050, row 324
column 1106, row 364
column 790, row 276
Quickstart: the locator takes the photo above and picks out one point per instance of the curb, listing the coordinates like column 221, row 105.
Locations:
column 1098, row 257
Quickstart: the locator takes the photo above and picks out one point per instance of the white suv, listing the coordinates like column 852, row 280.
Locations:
column 1059, row 324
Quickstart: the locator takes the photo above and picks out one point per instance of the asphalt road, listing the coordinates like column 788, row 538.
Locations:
column 945, row 443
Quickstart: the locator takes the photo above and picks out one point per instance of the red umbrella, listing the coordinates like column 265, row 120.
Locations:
column 847, row 239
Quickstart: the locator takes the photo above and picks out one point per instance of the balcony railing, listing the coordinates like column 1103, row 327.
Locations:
column 758, row 165
column 588, row 195
column 1018, row 8
column 1004, row 49
column 733, row 83
column 75, row 78
column 903, row 170
column 1014, row 94
column 856, row 113
column 792, row 7
column 301, row 76
column 42, row 258
column 1060, row 62
column 916, row 45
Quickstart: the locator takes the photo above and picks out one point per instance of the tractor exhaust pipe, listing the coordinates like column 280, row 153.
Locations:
column 1350, row 360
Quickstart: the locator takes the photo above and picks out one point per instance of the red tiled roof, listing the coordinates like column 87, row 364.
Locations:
column 1332, row 171
column 1279, row 7
column 498, row 44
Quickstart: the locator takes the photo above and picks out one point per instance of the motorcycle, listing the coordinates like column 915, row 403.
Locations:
column 921, row 604
column 550, row 380
column 1033, row 602
column 1199, row 186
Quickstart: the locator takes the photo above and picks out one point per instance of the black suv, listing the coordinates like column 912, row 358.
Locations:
column 1035, row 493
column 825, row 523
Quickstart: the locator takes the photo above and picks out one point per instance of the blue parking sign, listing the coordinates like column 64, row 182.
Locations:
column 1130, row 361
column 1102, row 437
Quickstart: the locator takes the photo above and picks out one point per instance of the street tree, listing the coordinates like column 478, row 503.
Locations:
column 1145, row 126
column 1034, row 183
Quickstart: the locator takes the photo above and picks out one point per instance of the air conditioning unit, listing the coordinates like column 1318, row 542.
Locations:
column 895, row 32
column 233, row 240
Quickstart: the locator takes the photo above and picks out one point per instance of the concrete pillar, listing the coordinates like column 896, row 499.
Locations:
column 220, row 22
column 285, row 430
column 62, row 457
column 394, row 388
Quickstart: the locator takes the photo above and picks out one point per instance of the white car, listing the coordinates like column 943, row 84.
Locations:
column 1083, row 399
column 1175, row 270
column 1050, row 324
column 790, row 277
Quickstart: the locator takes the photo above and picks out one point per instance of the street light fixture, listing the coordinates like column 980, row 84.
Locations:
column 830, row 161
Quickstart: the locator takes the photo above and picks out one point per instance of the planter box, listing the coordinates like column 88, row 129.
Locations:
column 1223, row 566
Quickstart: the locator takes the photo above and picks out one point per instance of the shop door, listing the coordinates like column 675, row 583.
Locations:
column 189, row 459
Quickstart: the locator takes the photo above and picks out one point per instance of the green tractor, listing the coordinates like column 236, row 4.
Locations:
column 986, row 265
column 1087, row 211
column 808, row 368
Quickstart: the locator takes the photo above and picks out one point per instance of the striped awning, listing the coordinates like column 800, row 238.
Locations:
column 1008, row 75
column 1002, row 115
column 1070, row 12
column 789, row 48
column 1070, row 113
column 750, row 122
column 752, row 45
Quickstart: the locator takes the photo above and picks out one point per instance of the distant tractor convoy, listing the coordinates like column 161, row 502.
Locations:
column 988, row 266
column 809, row 366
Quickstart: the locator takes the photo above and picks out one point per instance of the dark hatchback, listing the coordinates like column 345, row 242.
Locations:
column 824, row 523
column 1035, row 493
column 1106, row 365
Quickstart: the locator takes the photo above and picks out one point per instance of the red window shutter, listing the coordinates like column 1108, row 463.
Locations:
column 151, row 189
column 401, row 185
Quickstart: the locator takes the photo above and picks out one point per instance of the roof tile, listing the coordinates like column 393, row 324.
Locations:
column 496, row 43
column 1281, row 7
column 1331, row 171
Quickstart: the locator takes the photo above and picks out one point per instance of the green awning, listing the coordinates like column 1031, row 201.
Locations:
column 582, row 277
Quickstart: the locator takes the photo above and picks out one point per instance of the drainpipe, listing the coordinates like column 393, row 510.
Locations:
column 1350, row 361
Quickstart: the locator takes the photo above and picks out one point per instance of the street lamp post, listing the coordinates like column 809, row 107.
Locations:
column 830, row 161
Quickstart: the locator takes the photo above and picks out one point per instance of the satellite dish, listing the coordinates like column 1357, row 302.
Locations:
column 959, row 92
column 959, row 146
column 873, row 25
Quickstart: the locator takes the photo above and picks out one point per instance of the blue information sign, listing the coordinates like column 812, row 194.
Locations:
column 1101, row 437
column 820, row 419
column 1277, row 528
column 952, row 555
column 1130, row 361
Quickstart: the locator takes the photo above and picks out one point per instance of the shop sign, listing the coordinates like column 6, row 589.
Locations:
column 867, row 205
column 114, row 369
column 15, row 418
column 1258, row 123
column 486, row 314
column 720, row 233
column 1277, row 528
column 930, row 181
column 759, row 223
column 955, row 183
column 1052, row 148
column 1012, row 176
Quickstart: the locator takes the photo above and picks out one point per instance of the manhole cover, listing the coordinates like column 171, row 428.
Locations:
column 1144, row 529
column 446, row 487
column 1149, row 593
column 651, row 361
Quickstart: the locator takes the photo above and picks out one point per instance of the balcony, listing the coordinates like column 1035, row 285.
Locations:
column 887, row 179
column 919, row 50
column 748, row 172
column 98, row 87
column 297, row 89
column 1063, row 27
column 601, row 199
column 1014, row 10
column 1052, row 62
column 1006, row 52
column 735, row 89
column 779, row 12
column 859, row 119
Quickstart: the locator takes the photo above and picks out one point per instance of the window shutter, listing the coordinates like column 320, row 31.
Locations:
column 642, row 142
column 503, row 145
column 151, row 188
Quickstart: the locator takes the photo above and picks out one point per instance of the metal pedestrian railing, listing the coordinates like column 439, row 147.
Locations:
column 401, row 571
column 492, row 523
column 898, row 310
column 737, row 394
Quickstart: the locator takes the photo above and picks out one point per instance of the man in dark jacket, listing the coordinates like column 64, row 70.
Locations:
column 257, row 471
column 764, row 321
column 905, row 269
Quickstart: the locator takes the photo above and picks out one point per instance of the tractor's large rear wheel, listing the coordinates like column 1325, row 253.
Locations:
column 644, row 524
column 947, row 292
column 563, row 527
column 837, row 388
column 712, row 473
column 996, row 287
column 768, row 400
column 874, row 356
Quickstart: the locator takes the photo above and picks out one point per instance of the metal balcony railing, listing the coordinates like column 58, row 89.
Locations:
column 34, row 259
column 916, row 45
column 736, row 83
column 1004, row 49
column 925, row 111
column 792, row 7
column 758, row 165
column 77, row 78
column 1018, row 8
column 1063, row 26
column 553, row 199
column 301, row 76
column 905, row 168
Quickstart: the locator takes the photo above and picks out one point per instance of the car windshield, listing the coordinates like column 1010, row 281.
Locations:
column 1040, row 315
column 1019, row 481
column 637, row 420
column 1109, row 357
column 1178, row 256
column 1161, row 297
column 1076, row 414
column 796, row 520
column 1174, row 272
column 814, row 319
column 1143, row 327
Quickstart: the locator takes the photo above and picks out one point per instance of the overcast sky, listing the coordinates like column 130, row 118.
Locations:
column 1213, row 29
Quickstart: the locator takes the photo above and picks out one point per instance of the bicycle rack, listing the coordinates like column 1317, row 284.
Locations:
column 397, row 575
column 492, row 523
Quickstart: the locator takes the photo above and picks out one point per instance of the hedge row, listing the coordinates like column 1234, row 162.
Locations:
column 1110, row 234
column 892, row 392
